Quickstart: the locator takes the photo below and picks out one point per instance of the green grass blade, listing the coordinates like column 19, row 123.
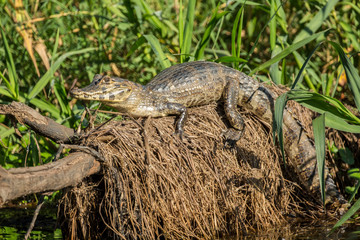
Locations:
column 181, row 26
column 238, row 39
column 152, row 18
column 274, row 71
column 319, row 137
column 55, row 47
column 199, row 54
column 61, row 96
column 316, row 22
column 309, row 72
column 346, row 216
column 281, row 20
column 354, row 173
column 46, row 107
column 287, row 51
column 322, row 104
column 284, row 78
column 230, row 59
column 272, row 25
column 353, row 6
column 338, row 123
column 304, row 65
column 9, row 89
column 236, row 35
column 12, row 84
column 156, row 47
column 234, row 31
column 258, row 37
column 351, row 73
column 136, row 45
column 5, row 91
column 188, row 30
column 355, row 191
column 280, row 104
column 50, row 73
column 4, row 134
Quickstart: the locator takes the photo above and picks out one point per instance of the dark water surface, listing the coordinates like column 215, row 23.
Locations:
column 14, row 223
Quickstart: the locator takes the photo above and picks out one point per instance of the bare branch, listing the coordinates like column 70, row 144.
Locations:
column 41, row 124
column 68, row 171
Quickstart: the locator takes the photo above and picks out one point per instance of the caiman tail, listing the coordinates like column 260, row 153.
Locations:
column 297, row 145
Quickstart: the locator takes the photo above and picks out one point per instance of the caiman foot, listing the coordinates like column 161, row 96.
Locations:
column 180, row 134
column 231, row 137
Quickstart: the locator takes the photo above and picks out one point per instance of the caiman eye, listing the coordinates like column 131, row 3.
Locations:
column 107, row 79
column 97, row 78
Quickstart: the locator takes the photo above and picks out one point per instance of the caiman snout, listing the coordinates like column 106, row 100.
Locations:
column 75, row 92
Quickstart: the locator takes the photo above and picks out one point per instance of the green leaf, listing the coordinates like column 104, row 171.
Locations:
column 188, row 31
column 6, row 133
column 156, row 47
column 46, row 107
column 310, row 75
column 49, row 74
column 152, row 18
column 136, row 45
column 5, row 91
column 287, row 51
column 12, row 83
column 61, row 96
column 206, row 36
column 338, row 123
column 304, row 65
column 346, row 156
column 258, row 37
column 236, row 33
column 321, row 104
column 351, row 73
column 55, row 47
column 346, row 216
column 354, row 191
column 272, row 25
column 316, row 22
column 274, row 71
column 280, row 104
column 355, row 175
column 181, row 27
column 319, row 137
column 230, row 59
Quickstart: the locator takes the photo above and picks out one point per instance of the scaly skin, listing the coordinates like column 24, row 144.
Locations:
column 185, row 85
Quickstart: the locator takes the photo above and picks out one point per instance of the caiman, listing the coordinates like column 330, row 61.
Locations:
column 189, row 84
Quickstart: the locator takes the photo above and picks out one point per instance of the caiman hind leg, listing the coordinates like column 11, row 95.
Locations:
column 231, row 95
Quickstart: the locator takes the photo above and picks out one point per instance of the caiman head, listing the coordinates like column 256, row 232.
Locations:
column 110, row 90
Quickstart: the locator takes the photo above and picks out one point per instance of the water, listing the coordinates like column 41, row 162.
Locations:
column 14, row 223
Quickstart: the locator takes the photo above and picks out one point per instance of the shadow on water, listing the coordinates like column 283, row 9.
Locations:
column 14, row 223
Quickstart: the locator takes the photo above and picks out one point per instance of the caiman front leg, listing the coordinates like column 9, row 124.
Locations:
column 231, row 95
column 176, row 109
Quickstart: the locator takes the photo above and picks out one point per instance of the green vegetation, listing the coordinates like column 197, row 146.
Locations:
column 48, row 46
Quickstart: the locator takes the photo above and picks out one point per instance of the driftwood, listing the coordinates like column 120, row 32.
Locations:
column 65, row 172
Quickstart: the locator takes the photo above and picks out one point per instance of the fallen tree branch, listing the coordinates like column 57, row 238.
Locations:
column 40, row 124
column 68, row 171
